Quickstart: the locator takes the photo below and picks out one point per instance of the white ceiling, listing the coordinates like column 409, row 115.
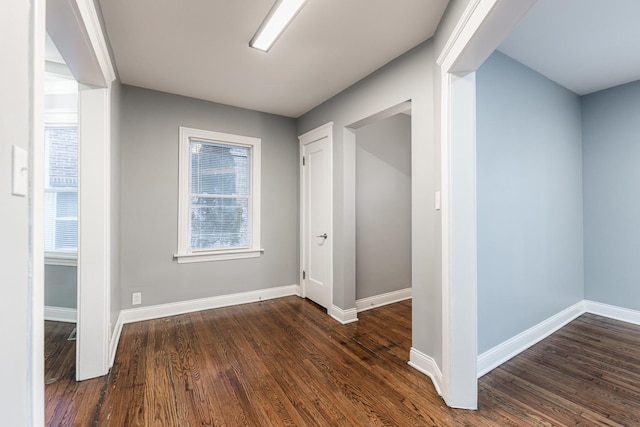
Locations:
column 583, row 45
column 200, row 48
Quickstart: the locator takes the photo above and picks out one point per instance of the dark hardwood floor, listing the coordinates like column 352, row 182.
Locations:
column 67, row 402
column 285, row 362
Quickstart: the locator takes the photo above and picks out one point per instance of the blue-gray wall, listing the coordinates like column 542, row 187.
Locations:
column 530, row 218
column 611, row 152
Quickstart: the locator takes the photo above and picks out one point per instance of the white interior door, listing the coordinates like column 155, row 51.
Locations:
column 316, row 216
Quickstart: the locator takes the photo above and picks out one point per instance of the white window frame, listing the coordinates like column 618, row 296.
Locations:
column 187, row 255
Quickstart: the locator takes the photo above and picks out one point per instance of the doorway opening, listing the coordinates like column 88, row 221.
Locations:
column 74, row 28
column 60, row 216
column 383, row 211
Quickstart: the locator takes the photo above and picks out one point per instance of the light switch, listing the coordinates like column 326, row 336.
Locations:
column 438, row 203
column 20, row 184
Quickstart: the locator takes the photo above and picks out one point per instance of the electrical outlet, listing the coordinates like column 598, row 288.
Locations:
column 136, row 298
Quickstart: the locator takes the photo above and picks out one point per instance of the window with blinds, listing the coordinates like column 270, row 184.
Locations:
column 61, row 189
column 220, row 195
column 60, row 168
column 219, row 209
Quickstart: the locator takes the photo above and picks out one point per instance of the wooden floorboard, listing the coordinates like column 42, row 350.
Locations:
column 285, row 362
column 67, row 402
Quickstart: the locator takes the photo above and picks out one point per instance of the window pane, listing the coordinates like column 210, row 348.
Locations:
column 61, row 183
column 62, row 161
column 66, row 235
column 49, row 220
column 218, row 223
column 219, row 169
column 67, row 205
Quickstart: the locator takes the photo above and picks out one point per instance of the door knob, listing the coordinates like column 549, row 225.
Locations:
column 324, row 236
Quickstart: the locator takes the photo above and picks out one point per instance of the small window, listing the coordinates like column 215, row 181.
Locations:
column 61, row 170
column 219, row 207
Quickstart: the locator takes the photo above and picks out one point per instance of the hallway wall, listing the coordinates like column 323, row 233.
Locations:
column 383, row 206
column 611, row 129
column 529, row 192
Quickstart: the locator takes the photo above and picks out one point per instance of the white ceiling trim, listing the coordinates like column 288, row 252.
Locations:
column 95, row 33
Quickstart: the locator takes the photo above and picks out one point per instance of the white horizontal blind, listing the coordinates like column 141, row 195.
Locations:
column 220, row 195
column 61, row 189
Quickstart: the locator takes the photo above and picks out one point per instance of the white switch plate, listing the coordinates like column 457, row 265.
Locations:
column 20, row 183
column 438, row 202
column 136, row 298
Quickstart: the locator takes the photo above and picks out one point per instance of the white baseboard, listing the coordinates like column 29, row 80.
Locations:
column 115, row 339
column 172, row 309
column 612, row 312
column 427, row 366
column 383, row 299
column 343, row 316
column 61, row 314
column 499, row 354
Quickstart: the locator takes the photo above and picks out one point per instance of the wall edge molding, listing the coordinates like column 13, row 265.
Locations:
column 612, row 312
column 380, row 300
column 343, row 316
column 457, row 30
column 115, row 340
column 60, row 314
column 96, row 35
column 132, row 315
column 515, row 345
column 428, row 366
column 501, row 353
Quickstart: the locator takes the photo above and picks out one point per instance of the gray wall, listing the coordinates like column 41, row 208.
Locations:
column 16, row 301
column 61, row 286
column 149, row 199
column 611, row 150
column 529, row 192
column 409, row 77
column 383, row 206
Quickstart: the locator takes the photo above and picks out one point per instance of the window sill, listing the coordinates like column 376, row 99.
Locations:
column 206, row 256
column 65, row 260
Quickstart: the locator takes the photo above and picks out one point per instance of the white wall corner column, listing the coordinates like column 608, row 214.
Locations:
column 93, row 233
column 481, row 28
column 459, row 270
column 349, row 218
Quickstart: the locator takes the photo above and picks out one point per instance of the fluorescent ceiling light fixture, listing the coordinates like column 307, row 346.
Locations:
column 279, row 17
